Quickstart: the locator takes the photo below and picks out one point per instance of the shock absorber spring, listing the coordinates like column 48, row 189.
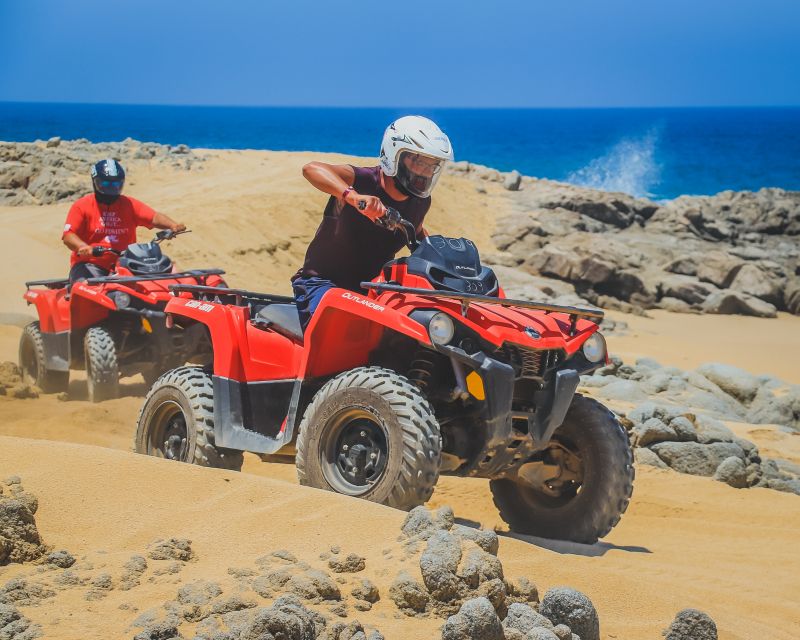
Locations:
column 421, row 370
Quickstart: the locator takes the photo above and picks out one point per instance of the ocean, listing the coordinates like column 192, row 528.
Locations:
column 657, row 153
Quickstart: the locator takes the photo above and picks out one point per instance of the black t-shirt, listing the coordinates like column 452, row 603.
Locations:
column 348, row 247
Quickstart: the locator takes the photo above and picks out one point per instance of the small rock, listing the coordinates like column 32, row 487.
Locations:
column 523, row 618
column 439, row 563
column 563, row 605
column 53, row 142
column 642, row 455
column 62, row 559
column 353, row 563
column 366, row 590
column 512, row 181
column 691, row 624
column 651, row 431
column 408, row 594
column 732, row 471
column 475, row 620
column 172, row 549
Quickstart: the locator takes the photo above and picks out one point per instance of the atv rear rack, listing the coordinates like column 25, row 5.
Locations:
column 59, row 283
column 240, row 297
column 595, row 315
column 193, row 273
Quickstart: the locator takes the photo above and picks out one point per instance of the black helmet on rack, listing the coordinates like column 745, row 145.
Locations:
column 108, row 178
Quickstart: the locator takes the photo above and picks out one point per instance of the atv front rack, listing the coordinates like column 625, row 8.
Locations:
column 238, row 297
column 595, row 315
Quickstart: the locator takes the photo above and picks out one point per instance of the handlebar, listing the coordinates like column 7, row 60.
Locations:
column 167, row 234
column 393, row 220
column 98, row 251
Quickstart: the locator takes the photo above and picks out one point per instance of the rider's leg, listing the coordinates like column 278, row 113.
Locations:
column 307, row 294
column 86, row 270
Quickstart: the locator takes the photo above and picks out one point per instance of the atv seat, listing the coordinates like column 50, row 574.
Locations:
column 281, row 318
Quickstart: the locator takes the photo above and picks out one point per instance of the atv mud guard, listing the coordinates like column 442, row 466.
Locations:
column 258, row 416
column 56, row 350
column 502, row 444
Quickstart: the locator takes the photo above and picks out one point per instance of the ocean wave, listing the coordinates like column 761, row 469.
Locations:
column 629, row 166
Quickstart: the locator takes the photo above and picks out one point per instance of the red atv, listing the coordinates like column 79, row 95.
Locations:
column 111, row 326
column 432, row 371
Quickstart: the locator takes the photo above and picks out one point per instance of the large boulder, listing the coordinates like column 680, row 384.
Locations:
column 685, row 288
column 695, row 458
column 727, row 302
column 732, row 380
column 791, row 296
column 759, row 283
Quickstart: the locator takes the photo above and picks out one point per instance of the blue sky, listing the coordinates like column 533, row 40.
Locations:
column 579, row 53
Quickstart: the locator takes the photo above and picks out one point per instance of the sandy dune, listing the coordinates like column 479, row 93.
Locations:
column 685, row 541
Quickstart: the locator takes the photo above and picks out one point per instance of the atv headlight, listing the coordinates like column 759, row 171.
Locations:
column 120, row 298
column 595, row 348
column 441, row 328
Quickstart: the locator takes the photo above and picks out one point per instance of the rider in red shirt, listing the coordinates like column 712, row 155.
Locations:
column 106, row 218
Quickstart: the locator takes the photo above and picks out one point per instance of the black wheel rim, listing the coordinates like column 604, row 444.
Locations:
column 354, row 448
column 28, row 362
column 169, row 435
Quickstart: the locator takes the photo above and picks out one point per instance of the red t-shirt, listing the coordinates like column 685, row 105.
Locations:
column 111, row 225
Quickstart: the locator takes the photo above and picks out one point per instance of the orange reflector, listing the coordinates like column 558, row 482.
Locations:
column 475, row 386
column 146, row 325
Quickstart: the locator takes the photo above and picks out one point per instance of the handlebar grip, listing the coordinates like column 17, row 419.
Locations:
column 98, row 251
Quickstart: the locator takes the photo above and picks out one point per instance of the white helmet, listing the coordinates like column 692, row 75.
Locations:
column 414, row 151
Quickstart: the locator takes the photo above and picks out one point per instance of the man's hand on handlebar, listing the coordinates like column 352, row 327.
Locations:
column 391, row 220
column 370, row 206
column 178, row 227
column 85, row 251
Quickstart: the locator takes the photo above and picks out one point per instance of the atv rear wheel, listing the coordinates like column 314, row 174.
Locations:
column 369, row 433
column 102, row 372
column 33, row 364
column 592, row 487
column 176, row 421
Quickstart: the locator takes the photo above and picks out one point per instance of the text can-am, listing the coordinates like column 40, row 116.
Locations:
column 432, row 371
column 112, row 326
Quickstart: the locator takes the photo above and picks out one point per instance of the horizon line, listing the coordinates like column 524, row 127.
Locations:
column 377, row 107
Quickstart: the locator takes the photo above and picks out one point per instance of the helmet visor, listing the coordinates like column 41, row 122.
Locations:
column 108, row 187
column 418, row 173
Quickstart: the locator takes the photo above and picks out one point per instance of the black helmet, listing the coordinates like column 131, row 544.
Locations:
column 108, row 178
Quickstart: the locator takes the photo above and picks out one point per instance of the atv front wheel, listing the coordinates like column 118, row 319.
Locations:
column 102, row 372
column 33, row 364
column 369, row 433
column 585, row 486
column 176, row 421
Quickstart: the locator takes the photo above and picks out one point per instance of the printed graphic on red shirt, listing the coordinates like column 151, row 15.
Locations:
column 111, row 225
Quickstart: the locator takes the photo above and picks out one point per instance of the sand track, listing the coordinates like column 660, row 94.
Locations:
column 685, row 541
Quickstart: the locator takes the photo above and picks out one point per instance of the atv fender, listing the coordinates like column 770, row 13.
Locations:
column 346, row 328
column 227, row 327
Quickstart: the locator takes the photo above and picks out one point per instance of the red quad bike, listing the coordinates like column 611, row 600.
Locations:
column 111, row 326
column 432, row 371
